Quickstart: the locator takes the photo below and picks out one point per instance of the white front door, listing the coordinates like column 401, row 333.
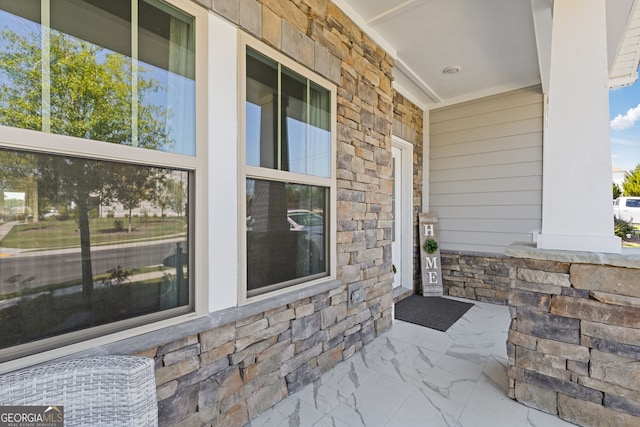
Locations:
column 396, row 231
column 401, row 234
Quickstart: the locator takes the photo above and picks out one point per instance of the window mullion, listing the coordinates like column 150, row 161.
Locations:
column 279, row 119
column 134, row 73
column 307, row 128
column 45, row 30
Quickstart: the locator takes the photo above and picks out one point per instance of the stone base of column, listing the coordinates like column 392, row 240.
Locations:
column 565, row 242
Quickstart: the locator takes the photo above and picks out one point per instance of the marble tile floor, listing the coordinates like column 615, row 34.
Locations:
column 415, row 376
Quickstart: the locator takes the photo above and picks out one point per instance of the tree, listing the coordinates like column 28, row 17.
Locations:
column 616, row 190
column 631, row 184
column 160, row 194
column 175, row 191
column 90, row 97
column 130, row 185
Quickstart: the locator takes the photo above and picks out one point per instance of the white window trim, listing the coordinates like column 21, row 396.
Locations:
column 37, row 141
column 245, row 171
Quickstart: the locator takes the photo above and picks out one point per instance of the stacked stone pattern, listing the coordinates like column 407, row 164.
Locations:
column 228, row 375
column 476, row 276
column 574, row 341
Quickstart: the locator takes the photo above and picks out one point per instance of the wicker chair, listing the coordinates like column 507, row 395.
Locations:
column 94, row 391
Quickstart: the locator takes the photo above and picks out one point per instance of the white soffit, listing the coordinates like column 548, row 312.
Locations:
column 623, row 70
column 500, row 45
column 493, row 41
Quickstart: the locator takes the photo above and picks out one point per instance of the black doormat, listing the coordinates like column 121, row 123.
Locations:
column 433, row 312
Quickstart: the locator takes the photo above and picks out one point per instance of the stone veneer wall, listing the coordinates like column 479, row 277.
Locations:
column 574, row 340
column 230, row 373
column 476, row 276
column 408, row 125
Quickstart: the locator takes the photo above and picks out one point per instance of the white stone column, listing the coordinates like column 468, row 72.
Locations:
column 577, row 203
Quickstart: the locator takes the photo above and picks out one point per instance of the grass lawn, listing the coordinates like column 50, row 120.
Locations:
column 54, row 234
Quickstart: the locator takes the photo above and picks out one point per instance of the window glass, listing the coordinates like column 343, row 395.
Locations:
column 288, row 144
column 305, row 130
column 100, row 77
column 633, row 203
column 288, row 119
column 20, row 48
column 95, row 235
column 167, row 57
column 261, row 111
column 286, row 234
column 90, row 72
column 87, row 243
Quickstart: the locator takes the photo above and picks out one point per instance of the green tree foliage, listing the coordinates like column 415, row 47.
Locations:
column 177, row 196
column 622, row 228
column 90, row 93
column 616, row 190
column 631, row 184
column 130, row 185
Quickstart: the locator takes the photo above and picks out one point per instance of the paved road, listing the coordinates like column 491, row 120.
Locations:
column 59, row 266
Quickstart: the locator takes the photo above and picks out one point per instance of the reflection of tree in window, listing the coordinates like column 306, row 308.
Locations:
column 84, row 90
column 81, row 185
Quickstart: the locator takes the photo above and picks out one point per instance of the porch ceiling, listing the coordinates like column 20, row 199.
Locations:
column 499, row 44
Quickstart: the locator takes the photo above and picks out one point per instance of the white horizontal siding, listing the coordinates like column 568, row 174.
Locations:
column 494, row 158
column 485, row 170
column 479, row 238
column 510, row 142
column 500, row 102
column 481, row 120
column 510, row 225
column 512, row 185
column 488, row 132
column 488, row 212
column 488, row 198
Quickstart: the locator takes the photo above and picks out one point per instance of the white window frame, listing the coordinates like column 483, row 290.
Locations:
column 48, row 143
column 245, row 171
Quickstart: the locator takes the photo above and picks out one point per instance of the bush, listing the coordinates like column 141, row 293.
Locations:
column 622, row 228
column 63, row 216
column 118, row 225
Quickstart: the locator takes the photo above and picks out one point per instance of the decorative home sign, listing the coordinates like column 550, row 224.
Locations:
column 430, row 255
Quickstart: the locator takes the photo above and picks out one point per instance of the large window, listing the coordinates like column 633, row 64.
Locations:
column 98, row 168
column 289, row 182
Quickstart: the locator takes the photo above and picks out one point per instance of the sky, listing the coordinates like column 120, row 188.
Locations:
column 624, row 112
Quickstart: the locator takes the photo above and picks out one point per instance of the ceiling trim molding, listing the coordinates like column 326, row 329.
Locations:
column 365, row 27
column 399, row 9
column 424, row 87
column 398, row 63
column 542, row 11
column 496, row 90
column 410, row 95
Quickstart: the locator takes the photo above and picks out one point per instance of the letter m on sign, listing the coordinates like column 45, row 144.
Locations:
column 431, row 263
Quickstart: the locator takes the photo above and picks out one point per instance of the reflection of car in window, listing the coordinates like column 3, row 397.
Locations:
column 312, row 225
column 50, row 213
column 300, row 219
